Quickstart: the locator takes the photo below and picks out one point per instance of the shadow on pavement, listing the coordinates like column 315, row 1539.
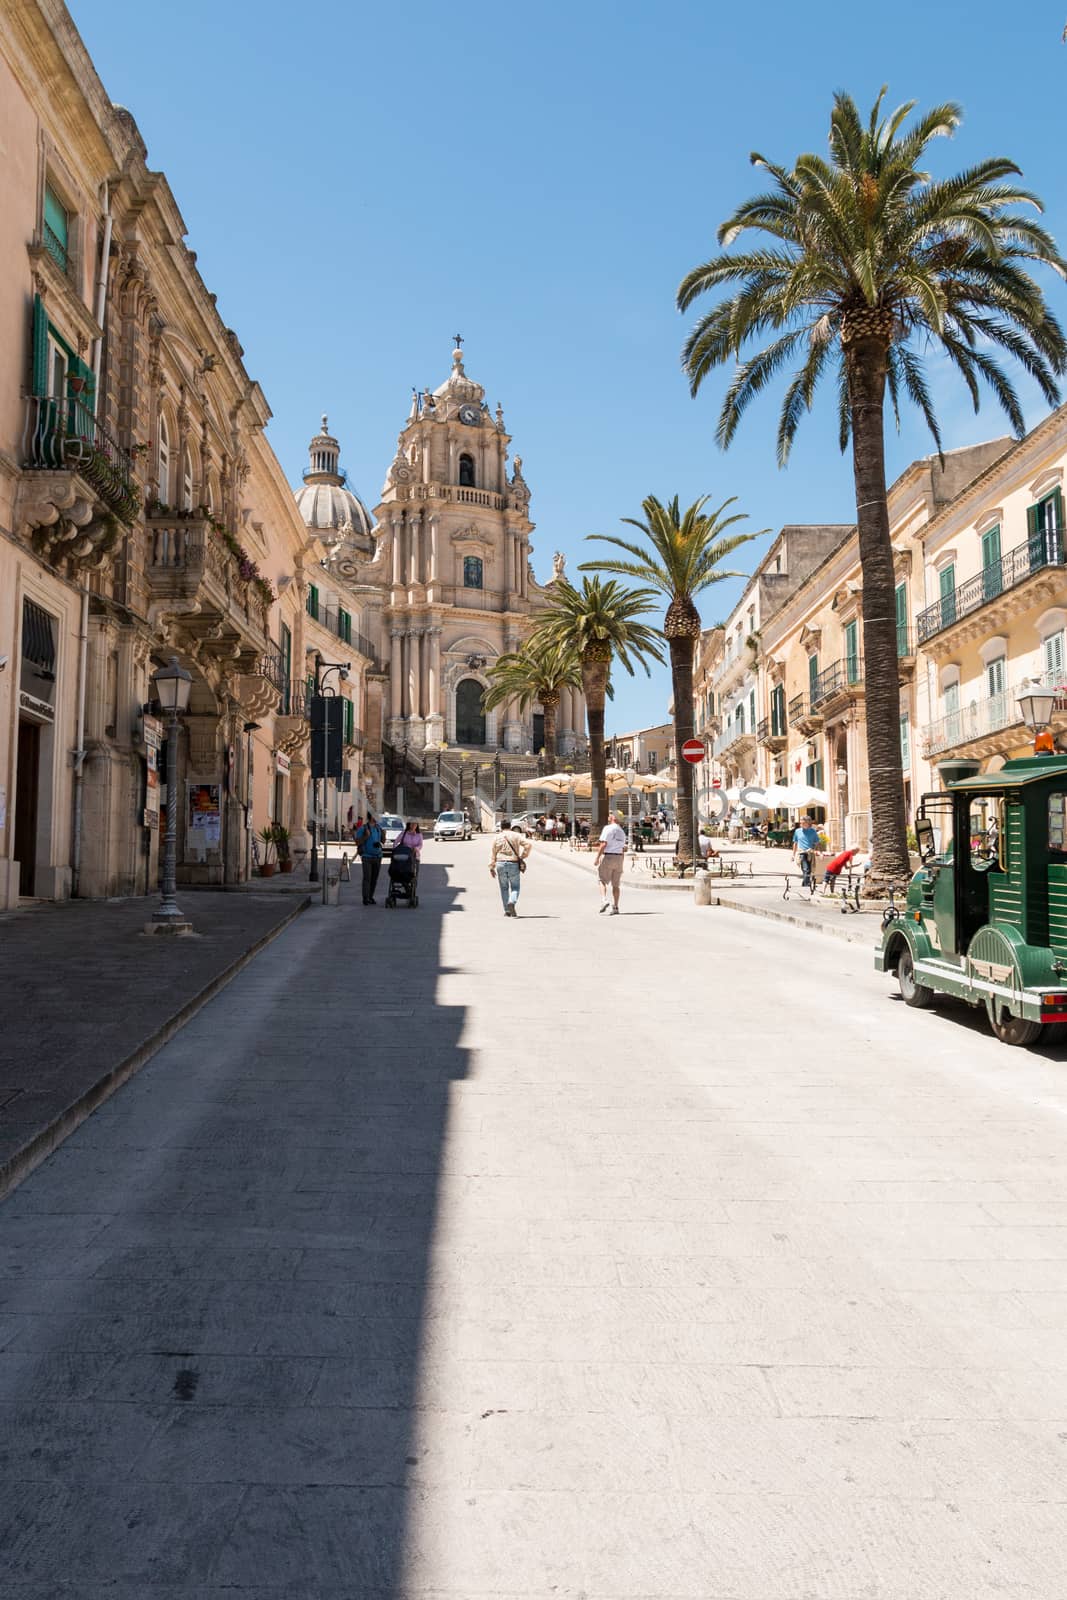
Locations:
column 213, row 1297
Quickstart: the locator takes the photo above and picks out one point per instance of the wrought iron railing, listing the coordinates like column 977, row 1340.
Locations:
column 799, row 708
column 56, row 248
column 272, row 667
column 62, row 433
column 983, row 717
column 1041, row 550
column 837, row 679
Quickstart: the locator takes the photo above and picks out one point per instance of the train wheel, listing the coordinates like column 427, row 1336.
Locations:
column 1014, row 1030
column 912, row 992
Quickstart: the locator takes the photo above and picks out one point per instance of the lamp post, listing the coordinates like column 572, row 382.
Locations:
column 172, row 686
column 630, row 775
column 249, row 729
column 323, row 669
column 1035, row 702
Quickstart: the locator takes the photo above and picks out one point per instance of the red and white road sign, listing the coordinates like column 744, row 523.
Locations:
column 693, row 752
column 716, row 783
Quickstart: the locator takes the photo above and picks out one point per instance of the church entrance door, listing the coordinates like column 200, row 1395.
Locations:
column 470, row 718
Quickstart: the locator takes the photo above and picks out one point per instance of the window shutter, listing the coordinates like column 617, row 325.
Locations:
column 40, row 346
column 55, row 216
column 1033, row 525
column 1057, row 502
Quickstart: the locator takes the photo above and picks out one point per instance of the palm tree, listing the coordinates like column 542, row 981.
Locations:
column 680, row 557
column 599, row 621
column 869, row 262
column 539, row 671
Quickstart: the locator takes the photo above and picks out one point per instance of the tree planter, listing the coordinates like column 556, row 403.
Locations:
column 285, row 866
column 266, row 869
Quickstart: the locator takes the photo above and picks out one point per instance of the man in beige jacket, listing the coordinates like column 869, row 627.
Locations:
column 507, row 864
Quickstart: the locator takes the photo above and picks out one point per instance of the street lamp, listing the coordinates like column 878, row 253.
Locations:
column 1035, row 706
column 630, row 775
column 249, row 729
column 172, row 686
column 323, row 669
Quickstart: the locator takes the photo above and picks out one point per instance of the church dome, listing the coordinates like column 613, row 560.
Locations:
column 325, row 502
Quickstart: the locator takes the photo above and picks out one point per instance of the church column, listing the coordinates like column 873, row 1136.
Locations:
column 451, row 460
column 424, row 673
column 394, row 523
column 433, row 674
column 413, row 673
column 431, row 576
column 524, row 570
column 396, row 673
column 415, row 548
column 508, row 561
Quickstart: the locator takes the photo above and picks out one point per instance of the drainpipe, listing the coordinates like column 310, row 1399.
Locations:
column 79, row 750
column 101, row 288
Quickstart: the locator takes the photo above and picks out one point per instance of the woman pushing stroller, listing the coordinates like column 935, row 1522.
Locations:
column 404, row 867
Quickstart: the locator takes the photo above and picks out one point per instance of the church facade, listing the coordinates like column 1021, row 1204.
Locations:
column 442, row 581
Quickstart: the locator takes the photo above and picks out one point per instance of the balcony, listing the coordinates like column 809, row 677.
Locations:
column 734, row 741
column 990, row 726
column 837, row 685
column 194, row 578
column 339, row 622
column 292, row 725
column 772, row 733
column 78, row 484
column 262, row 689
column 803, row 714
column 450, row 493
column 994, row 587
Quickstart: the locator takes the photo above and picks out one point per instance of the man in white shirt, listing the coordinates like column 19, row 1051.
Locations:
column 609, row 862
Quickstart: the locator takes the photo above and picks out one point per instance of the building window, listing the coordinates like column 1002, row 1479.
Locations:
column 56, row 229
column 813, row 675
column 901, row 600
column 905, row 743
column 1053, row 652
column 1044, row 524
column 312, row 602
column 778, row 723
column 946, row 584
column 992, row 576
column 163, row 460
column 466, row 471
column 852, row 652
column 472, row 572
column 996, row 679
column 344, row 626
column 187, row 483
column 350, row 721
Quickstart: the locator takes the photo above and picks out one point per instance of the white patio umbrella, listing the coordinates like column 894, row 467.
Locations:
column 804, row 794
column 652, row 782
column 555, row 782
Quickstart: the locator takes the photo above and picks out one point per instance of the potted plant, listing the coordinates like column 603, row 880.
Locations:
column 281, row 844
column 267, row 865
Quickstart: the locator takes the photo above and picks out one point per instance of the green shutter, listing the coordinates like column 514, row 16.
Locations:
column 991, row 547
column 1057, row 501
column 313, row 601
column 905, row 744
column 901, row 600
column 947, row 585
column 344, row 626
column 813, row 672
column 349, row 721
column 852, row 652
column 1033, row 525
column 752, row 711
column 40, row 346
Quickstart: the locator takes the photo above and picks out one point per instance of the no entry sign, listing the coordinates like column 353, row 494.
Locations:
column 693, row 751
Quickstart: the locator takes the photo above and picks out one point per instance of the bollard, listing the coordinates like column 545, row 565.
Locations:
column 702, row 888
column 333, row 887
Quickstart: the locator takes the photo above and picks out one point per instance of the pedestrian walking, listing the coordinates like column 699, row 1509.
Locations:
column 805, row 846
column 411, row 839
column 369, row 845
column 507, row 864
column 610, row 856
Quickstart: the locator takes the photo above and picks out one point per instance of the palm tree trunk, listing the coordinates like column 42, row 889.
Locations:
column 550, row 707
column 889, row 843
column 682, row 684
column 595, row 688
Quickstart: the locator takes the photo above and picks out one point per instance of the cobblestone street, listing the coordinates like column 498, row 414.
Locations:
column 657, row 1256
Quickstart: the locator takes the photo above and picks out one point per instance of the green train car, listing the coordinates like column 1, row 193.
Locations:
column 986, row 914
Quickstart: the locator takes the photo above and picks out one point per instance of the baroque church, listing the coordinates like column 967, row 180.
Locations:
column 440, row 580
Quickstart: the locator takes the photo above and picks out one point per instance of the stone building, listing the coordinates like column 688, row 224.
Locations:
column 142, row 513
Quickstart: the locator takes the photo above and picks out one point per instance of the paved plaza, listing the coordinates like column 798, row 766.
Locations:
column 658, row 1256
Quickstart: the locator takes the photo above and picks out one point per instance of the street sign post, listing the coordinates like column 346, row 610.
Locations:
column 693, row 752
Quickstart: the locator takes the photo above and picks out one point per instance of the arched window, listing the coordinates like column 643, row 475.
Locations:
column 470, row 718
column 466, row 471
column 163, row 461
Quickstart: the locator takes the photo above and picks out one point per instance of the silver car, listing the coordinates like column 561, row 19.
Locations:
column 392, row 827
column 452, row 825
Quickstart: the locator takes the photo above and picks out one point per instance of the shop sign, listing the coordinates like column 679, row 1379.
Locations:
column 281, row 762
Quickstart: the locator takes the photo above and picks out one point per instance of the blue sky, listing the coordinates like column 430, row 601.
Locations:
column 360, row 182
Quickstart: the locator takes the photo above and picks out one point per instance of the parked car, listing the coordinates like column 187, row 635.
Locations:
column 392, row 827
column 452, row 825
column 527, row 822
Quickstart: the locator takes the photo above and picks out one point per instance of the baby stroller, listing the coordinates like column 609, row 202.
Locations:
column 403, row 877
